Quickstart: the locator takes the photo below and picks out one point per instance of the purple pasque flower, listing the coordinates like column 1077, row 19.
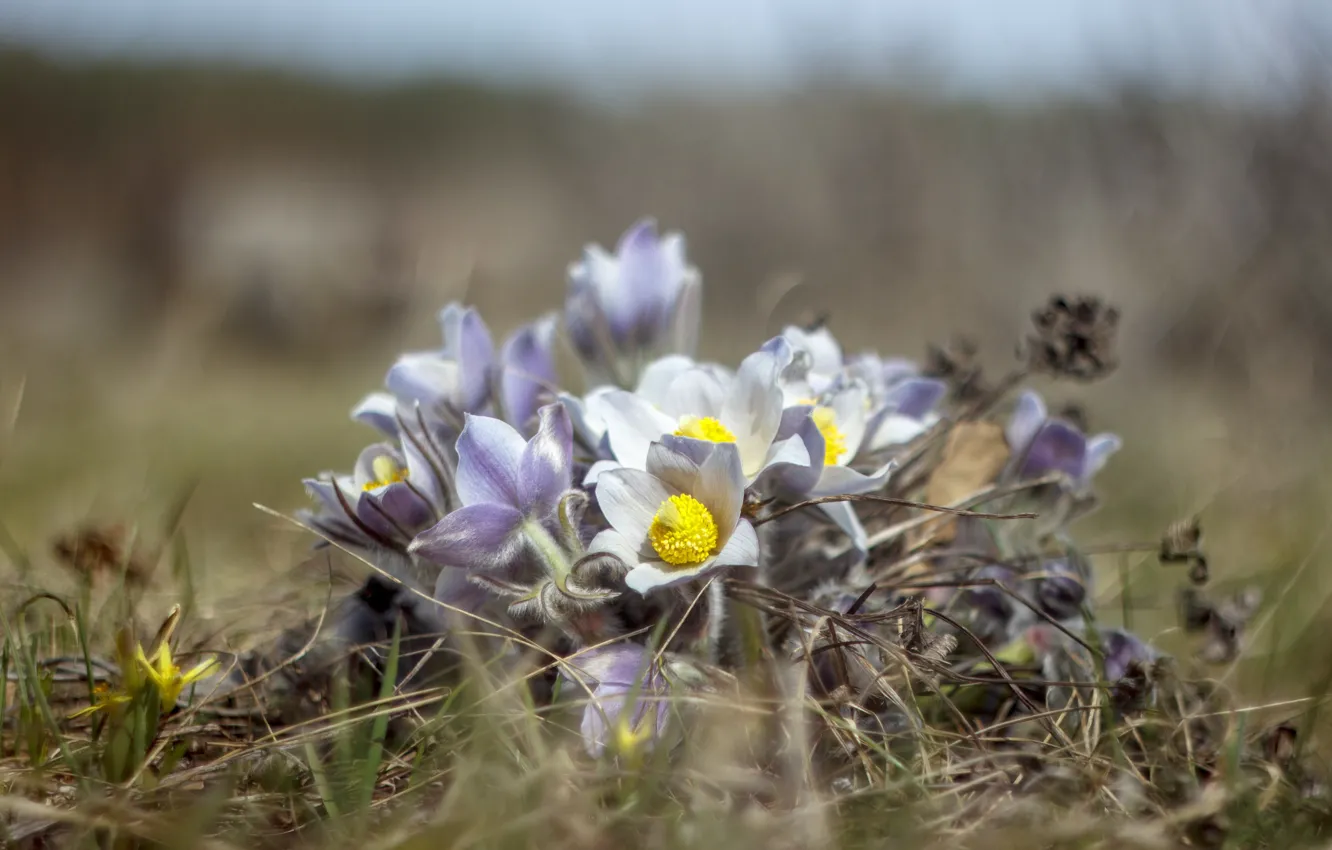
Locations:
column 454, row 380
column 706, row 403
column 678, row 519
column 509, row 488
column 391, row 495
column 1042, row 445
column 628, row 712
column 905, row 411
column 527, row 373
column 1122, row 649
column 640, row 301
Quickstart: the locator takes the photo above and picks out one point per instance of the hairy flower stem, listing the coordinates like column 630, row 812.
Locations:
column 552, row 555
column 735, row 631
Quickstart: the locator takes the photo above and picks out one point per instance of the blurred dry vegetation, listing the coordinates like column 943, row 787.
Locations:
column 202, row 269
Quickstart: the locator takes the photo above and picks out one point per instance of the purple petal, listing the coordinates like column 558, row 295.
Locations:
column 843, row 480
column 915, row 397
column 454, row 589
column 489, row 455
column 467, row 339
column 528, row 374
column 1056, row 447
column 584, row 319
column 1099, row 450
column 646, row 286
column 379, row 411
column 546, row 468
column 476, row 537
column 1121, row 649
column 620, row 663
column 427, row 377
column 402, row 506
column 686, row 320
column 1027, row 418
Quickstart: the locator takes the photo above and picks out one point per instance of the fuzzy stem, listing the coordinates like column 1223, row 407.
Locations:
column 551, row 554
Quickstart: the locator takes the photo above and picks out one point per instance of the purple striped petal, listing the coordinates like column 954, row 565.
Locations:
column 545, row 469
column 489, row 455
column 476, row 537
column 528, row 372
column 1056, row 447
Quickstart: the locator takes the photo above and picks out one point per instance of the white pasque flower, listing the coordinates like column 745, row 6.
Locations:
column 680, row 398
column 678, row 519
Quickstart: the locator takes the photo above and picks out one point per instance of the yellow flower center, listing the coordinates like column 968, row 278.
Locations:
column 704, row 428
column 386, row 471
column 834, row 441
column 683, row 532
column 629, row 738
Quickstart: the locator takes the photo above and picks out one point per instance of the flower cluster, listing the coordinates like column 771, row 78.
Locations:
column 603, row 511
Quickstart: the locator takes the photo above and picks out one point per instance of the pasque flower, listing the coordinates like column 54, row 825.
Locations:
column 454, row 379
column 678, row 519
column 1042, row 445
column 509, row 488
column 391, row 495
column 624, row 308
column 627, row 713
column 527, row 373
column 832, row 428
column 702, row 402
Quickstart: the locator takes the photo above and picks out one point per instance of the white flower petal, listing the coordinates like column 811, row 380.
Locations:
column 720, row 486
column 694, row 392
column 845, row 517
column 1027, row 418
column 632, row 425
column 742, row 550
column 658, row 376
column 652, row 574
column 612, row 542
column 629, row 499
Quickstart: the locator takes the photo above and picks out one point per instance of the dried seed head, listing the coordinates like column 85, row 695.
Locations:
column 1073, row 338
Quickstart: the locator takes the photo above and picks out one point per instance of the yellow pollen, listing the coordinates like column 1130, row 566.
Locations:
column 683, row 532
column 704, row 428
column 385, row 472
column 834, row 441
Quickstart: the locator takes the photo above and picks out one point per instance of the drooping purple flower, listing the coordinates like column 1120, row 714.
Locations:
column 509, row 488
column 628, row 710
column 456, row 378
column 624, row 308
column 1042, row 445
column 527, row 373
column 1122, row 649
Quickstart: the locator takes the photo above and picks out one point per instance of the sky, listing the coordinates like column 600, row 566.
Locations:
column 987, row 47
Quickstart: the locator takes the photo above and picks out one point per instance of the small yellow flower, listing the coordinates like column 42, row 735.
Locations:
column 104, row 698
column 167, row 677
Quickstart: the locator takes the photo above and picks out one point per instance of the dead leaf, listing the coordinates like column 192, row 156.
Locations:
column 973, row 456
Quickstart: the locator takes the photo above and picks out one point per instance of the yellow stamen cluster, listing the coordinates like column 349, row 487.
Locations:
column 683, row 532
column 704, row 428
column 386, row 471
column 628, row 737
column 834, row 441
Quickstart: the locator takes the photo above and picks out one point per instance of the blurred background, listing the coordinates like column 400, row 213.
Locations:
column 221, row 219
